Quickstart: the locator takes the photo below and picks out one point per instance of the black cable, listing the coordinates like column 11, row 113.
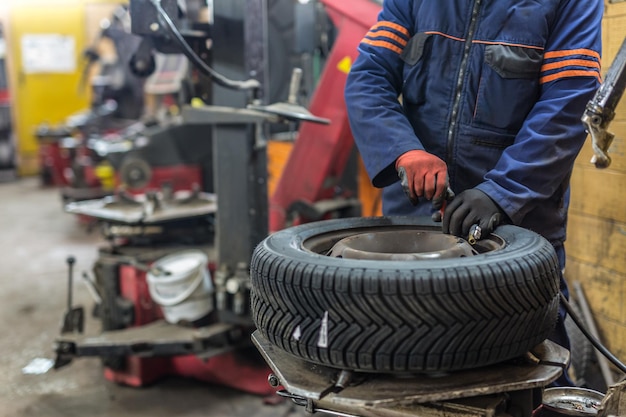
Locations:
column 250, row 84
column 595, row 342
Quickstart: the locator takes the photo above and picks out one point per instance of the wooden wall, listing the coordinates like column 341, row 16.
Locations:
column 596, row 244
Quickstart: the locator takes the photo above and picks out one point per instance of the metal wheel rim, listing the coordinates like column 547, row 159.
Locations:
column 385, row 240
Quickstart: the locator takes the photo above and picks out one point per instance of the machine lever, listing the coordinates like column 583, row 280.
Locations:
column 291, row 110
column 294, row 86
column 74, row 318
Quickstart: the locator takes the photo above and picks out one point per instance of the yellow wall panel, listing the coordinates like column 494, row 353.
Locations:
column 596, row 241
column 603, row 289
column 43, row 97
column 613, row 35
column 613, row 336
column 599, row 193
column 47, row 96
column 614, row 9
column 596, row 244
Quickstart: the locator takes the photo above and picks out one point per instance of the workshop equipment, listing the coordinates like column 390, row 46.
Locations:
column 569, row 401
column 105, row 146
column 308, row 187
column 510, row 387
column 291, row 109
column 600, row 110
column 168, row 234
column 139, row 343
column 138, row 346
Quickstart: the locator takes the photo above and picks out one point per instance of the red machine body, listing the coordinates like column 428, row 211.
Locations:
column 54, row 163
column 177, row 177
column 321, row 152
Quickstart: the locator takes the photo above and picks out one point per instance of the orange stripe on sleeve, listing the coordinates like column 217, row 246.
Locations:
column 571, row 62
column 570, row 52
column 567, row 74
column 391, row 25
column 387, row 34
column 383, row 44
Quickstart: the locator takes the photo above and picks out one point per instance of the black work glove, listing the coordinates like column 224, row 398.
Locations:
column 471, row 207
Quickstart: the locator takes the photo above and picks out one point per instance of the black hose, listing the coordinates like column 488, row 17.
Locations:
column 595, row 342
column 250, row 84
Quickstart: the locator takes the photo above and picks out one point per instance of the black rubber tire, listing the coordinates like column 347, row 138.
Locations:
column 581, row 350
column 403, row 316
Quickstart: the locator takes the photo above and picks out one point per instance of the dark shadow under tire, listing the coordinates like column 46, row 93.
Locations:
column 402, row 316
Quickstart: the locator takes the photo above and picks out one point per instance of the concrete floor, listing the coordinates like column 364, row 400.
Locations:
column 36, row 237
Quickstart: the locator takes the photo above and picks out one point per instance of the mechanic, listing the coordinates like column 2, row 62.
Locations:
column 482, row 99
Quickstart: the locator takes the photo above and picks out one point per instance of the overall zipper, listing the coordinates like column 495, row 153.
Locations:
column 454, row 115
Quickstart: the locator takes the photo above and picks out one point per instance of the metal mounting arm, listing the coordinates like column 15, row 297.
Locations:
column 601, row 109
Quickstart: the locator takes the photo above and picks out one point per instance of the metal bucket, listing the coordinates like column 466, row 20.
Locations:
column 570, row 401
column 181, row 284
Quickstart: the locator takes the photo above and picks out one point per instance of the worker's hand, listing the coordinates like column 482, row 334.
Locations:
column 422, row 175
column 471, row 207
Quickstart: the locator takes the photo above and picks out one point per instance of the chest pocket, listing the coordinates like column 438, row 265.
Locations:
column 416, row 71
column 508, row 88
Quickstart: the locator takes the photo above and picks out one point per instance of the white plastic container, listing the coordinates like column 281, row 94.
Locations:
column 181, row 284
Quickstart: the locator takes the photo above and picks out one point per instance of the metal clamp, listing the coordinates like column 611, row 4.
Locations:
column 475, row 234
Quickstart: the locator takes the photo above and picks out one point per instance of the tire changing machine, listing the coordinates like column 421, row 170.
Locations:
column 511, row 389
column 137, row 345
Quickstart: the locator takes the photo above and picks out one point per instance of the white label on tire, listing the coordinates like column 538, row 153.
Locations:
column 297, row 333
column 323, row 339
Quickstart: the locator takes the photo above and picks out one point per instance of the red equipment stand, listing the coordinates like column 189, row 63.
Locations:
column 54, row 163
column 322, row 151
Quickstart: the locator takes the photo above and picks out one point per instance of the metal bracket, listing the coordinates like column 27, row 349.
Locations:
column 475, row 392
column 600, row 110
column 158, row 338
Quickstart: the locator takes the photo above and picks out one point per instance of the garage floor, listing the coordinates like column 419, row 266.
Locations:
column 36, row 237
